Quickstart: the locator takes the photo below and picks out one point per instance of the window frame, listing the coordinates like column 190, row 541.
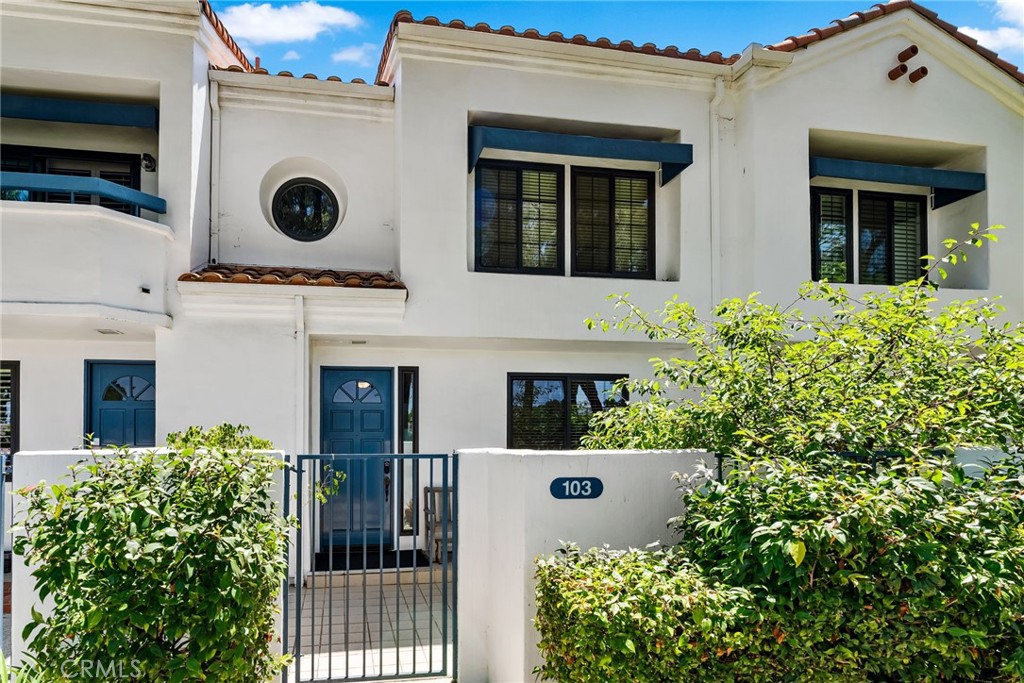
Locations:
column 816, row 192
column 14, row 367
column 649, row 273
column 408, row 376
column 922, row 237
column 519, row 166
column 312, row 182
column 568, row 378
column 38, row 159
column 853, row 227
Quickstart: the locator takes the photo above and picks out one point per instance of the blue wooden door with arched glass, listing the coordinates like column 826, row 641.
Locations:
column 121, row 406
column 356, row 415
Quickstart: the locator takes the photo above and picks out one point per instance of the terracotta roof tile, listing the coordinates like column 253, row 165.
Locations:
column 289, row 74
column 405, row 17
column 222, row 32
column 876, row 12
column 282, row 275
column 788, row 45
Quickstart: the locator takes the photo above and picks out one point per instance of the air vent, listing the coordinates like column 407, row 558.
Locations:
column 109, row 331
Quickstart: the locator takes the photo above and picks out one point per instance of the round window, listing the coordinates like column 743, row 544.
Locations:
column 305, row 209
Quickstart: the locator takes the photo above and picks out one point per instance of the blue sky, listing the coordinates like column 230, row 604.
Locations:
column 345, row 38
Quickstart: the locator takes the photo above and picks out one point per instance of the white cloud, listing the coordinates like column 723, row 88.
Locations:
column 363, row 55
column 1003, row 38
column 266, row 23
column 1011, row 11
column 291, row 56
column 1010, row 36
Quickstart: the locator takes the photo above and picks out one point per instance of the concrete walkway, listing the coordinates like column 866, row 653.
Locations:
column 356, row 626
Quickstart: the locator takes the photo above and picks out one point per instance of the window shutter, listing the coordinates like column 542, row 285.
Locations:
column 832, row 228
column 875, row 240
column 593, row 224
column 632, row 225
column 540, row 224
column 123, row 178
column 907, row 231
column 537, row 413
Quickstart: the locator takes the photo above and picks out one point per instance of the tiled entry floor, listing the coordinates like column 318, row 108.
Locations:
column 393, row 622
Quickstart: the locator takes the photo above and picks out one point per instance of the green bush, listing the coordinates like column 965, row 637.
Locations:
column 832, row 371
column 805, row 571
column 164, row 566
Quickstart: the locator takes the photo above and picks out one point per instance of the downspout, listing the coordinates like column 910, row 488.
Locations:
column 214, row 172
column 715, row 178
column 300, row 376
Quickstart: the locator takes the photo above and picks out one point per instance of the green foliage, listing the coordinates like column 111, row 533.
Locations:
column 805, row 571
column 163, row 564
column 889, row 370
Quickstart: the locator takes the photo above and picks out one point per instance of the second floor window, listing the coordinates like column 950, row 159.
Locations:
column 613, row 223
column 883, row 246
column 121, row 169
column 520, row 220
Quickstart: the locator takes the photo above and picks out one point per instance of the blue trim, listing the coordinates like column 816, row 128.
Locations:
column 78, row 111
column 674, row 157
column 46, row 182
column 947, row 186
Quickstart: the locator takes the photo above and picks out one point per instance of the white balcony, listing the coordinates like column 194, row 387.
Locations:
column 81, row 261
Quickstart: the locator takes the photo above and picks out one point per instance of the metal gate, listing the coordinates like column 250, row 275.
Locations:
column 375, row 591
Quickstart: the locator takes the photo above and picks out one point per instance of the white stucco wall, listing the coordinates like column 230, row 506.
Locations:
column 508, row 517
column 276, row 128
column 840, row 85
column 53, row 385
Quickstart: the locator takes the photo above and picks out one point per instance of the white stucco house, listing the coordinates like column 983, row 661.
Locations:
column 449, row 227
column 405, row 266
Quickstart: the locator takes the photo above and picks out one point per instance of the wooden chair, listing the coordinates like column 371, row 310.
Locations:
column 437, row 532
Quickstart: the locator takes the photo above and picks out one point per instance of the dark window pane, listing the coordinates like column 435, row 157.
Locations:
column 589, row 396
column 544, row 416
column 907, row 220
column 832, row 229
column 538, row 414
column 408, row 471
column 305, row 209
column 874, row 243
column 8, row 408
column 613, row 222
column 118, row 390
column 518, row 218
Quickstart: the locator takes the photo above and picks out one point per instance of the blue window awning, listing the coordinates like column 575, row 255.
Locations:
column 78, row 111
column 947, row 186
column 674, row 157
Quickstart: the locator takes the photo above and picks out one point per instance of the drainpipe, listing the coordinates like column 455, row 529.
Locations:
column 214, row 172
column 715, row 178
column 300, row 376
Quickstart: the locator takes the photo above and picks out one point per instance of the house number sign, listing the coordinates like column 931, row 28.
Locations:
column 576, row 488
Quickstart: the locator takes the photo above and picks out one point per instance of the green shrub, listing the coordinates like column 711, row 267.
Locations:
column 888, row 369
column 805, row 571
column 166, row 566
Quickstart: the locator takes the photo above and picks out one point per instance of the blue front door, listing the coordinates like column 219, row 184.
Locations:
column 121, row 403
column 356, row 415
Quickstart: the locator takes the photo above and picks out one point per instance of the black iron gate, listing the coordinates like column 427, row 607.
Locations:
column 374, row 592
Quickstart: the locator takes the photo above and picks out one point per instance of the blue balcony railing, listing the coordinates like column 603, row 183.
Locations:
column 82, row 187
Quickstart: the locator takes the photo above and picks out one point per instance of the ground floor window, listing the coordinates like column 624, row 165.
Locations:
column 408, row 427
column 553, row 411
